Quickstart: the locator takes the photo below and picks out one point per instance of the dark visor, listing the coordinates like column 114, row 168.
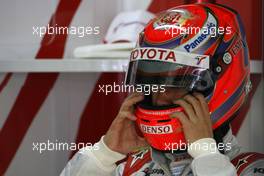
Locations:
column 146, row 72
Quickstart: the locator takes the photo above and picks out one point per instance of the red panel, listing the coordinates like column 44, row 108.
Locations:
column 35, row 89
column 100, row 110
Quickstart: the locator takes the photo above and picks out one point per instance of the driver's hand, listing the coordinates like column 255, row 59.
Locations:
column 121, row 136
column 196, row 120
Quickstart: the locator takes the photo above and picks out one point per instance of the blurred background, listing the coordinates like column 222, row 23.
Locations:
column 67, row 107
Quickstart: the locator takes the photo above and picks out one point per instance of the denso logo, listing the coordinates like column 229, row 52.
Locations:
column 164, row 129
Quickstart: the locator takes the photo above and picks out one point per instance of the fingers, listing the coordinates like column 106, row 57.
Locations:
column 195, row 107
column 195, row 119
column 202, row 100
column 187, row 108
column 128, row 115
column 126, row 110
column 204, row 106
column 195, row 104
column 182, row 118
column 132, row 99
column 134, row 94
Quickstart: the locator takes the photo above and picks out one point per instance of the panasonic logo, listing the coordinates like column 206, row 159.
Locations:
column 196, row 42
column 164, row 129
column 204, row 33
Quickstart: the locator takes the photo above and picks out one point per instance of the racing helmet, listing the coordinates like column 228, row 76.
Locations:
column 198, row 47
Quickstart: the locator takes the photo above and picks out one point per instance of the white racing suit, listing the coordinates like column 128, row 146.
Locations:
column 101, row 161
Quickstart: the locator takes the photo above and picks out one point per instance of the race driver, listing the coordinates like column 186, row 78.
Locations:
column 206, row 80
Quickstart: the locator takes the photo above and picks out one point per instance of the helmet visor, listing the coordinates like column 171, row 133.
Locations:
column 185, row 71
